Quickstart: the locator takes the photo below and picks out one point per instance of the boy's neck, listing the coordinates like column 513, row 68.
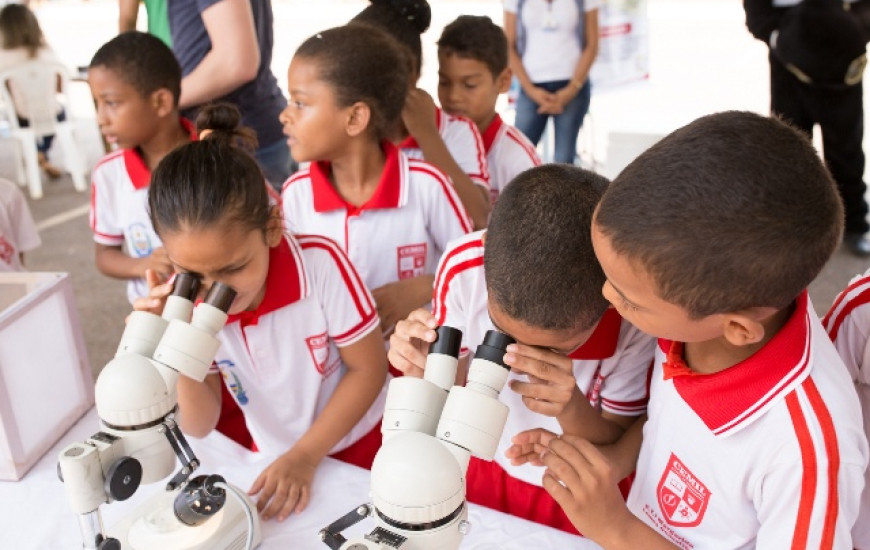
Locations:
column 483, row 124
column 171, row 134
column 716, row 355
column 356, row 175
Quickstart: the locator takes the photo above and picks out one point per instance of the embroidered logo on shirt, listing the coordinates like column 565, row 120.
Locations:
column 318, row 347
column 232, row 381
column 682, row 497
column 140, row 242
column 411, row 260
column 7, row 251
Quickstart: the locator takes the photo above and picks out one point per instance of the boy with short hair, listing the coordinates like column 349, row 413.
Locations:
column 533, row 275
column 708, row 241
column 472, row 72
column 136, row 82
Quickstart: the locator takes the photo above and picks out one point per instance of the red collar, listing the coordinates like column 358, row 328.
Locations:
column 286, row 282
column 602, row 343
column 730, row 399
column 491, row 131
column 411, row 143
column 389, row 193
column 137, row 170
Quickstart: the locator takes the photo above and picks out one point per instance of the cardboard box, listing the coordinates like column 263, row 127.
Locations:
column 45, row 377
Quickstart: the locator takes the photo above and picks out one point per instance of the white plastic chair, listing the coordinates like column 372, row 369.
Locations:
column 36, row 83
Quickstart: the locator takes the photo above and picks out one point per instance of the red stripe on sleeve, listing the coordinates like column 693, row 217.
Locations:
column 448, row 257
column 348, row 273
column 442, row 294
column 833, row 452
column 808, row 478
column 833, row 327
column 449, row 192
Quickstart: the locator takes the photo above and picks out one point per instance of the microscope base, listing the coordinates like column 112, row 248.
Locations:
column 153, row 526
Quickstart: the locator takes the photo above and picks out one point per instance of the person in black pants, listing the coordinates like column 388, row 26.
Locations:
column 817, row 57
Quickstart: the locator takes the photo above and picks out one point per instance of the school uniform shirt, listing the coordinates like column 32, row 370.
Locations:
column 281, row 361
column 611, row 368
column 508, row 152
column 398, row 234
column 768, row 453
column 462, row 139
column 848, row 325
column 17, row 231
column 119, row 207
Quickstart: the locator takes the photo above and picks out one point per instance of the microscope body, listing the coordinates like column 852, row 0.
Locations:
column 431, row 428
column 136, row 399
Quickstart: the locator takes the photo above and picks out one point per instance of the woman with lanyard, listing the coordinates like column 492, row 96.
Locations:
column 552, row 46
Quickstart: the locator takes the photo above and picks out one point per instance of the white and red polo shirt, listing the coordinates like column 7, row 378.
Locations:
column 508, row 152
column 17, row 231
column 119, row 207
column 462, row 139
column 611, row 368
column 281, row 362
column 848, row 325
column 769, row 453
column 398, row 234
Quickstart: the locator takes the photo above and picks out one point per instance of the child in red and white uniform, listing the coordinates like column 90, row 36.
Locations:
column 451, row 143
column 301, row 352
column 520, row 278
column 392, row 215
column 848, row 325
column 136, row 82
column 18, row 233
column 472, row 72
column 754, row 437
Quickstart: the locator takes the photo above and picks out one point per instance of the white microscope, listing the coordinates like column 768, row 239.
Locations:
column 431, row 428
column 139, row 439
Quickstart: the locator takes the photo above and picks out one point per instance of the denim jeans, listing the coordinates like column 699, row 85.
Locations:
column 275, row 161
column 43, row 144
column 567, row 124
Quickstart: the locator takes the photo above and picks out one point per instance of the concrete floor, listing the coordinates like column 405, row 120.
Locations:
column 723, row 69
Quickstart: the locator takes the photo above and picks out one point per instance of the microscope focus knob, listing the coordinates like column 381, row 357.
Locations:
column 123, row 478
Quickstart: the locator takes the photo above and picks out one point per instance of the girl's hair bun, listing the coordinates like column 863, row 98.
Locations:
column 416, row 12
column 223, row 122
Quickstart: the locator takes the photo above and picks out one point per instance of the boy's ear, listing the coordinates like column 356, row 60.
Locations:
column 746, row 327
column 503, row 80
column 163, row 102
column 274, row 227
column 359, row 116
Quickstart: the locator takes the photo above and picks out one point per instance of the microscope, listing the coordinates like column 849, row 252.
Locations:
column 431, row 428
column 139, row 439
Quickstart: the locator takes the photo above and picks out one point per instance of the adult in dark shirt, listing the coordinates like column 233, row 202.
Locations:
column 224, row 48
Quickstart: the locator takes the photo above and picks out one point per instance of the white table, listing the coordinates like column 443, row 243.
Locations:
column 34, row 513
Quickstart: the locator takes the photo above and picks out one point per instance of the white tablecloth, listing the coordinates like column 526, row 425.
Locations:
column 34, row 513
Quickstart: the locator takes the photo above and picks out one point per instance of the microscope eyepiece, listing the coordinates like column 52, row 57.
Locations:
column 447, row 342
column 186, row 286
column 493, row 347
column 220, row 296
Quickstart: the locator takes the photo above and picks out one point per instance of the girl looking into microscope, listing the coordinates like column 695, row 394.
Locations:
column 301, row 352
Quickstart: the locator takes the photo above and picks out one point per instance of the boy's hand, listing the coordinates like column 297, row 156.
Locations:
column 418, row 115
column 284, row 486
column 158, row 291
column 584, row 485
column 396, row 300
column 409, row 343
column 551, row 384
column 528, row 446
column 159, row 263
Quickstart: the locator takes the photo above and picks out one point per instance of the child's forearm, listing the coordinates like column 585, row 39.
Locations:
column 352, row 398
column 199, row 404
column 474, row 198
column 112, row 261
column 580, row 419
column 633, row 534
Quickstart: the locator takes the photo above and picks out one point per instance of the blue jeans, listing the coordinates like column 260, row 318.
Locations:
column 275, row 161
column 43, row 144
column 567, row 125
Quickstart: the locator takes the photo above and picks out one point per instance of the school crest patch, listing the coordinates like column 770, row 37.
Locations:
column 232, row 381
column 411, row 260
column 682, row 497
column 318, row 348
column 139, row 240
